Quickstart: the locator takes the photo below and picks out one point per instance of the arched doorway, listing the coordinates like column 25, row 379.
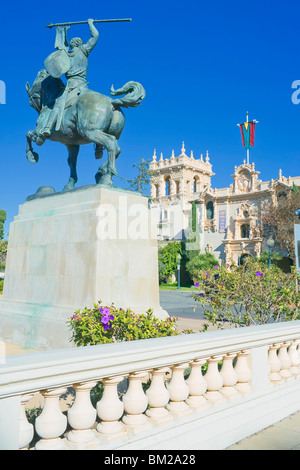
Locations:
column 242, row 258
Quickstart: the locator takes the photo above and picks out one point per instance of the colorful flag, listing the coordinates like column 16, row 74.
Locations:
column 248, row 132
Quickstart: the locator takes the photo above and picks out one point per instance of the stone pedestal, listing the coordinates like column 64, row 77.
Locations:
column 69, row 250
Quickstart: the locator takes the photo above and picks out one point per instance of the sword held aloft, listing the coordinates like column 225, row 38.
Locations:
column 51, row 25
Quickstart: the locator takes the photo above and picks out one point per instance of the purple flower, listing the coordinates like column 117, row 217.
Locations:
column 258, row 273
column 106, row 318
column 104, row 311
column 216, row 266
column 197, row 284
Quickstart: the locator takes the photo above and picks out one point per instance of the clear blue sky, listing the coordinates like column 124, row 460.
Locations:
column 203, row 65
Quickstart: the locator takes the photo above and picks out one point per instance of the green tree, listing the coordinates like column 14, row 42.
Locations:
column 167, row 260
column 142, row 180
column 2, row 220
column 3, row 253
column 278, row 219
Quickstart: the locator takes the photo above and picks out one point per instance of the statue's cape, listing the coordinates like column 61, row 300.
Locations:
column 57, row 63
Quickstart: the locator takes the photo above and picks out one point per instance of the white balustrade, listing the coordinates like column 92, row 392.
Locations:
column 51, row 423
column 295, row 359
column 110, row 409
column 179, row 391
column 197, row 386
column 26, row 428
column 142, row 413
column 243, row 372
column 274, row 364
column 229, row 376
column 214, row 380
column 285, row 361
column 82, row 415
column 135, row 402
column 158, row 397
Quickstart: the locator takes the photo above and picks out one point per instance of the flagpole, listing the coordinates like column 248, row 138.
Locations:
column 248, row 130
column 247, row 149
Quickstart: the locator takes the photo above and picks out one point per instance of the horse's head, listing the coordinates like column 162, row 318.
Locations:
column 44, row 91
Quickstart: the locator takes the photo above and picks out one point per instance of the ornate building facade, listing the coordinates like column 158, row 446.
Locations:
column 229, row 218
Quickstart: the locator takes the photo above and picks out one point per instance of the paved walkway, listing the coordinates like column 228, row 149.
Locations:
column 284, row 435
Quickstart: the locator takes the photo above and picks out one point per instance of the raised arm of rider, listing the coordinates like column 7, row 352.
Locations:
column 91, row 43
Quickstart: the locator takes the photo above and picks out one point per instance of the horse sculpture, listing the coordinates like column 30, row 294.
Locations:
column 88, row 118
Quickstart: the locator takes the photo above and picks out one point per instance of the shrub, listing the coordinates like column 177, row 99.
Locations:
column 248, row 294
column 103, row 324
column 198, row 263
column 1, row 286
column 167, row 260
column 264, row 257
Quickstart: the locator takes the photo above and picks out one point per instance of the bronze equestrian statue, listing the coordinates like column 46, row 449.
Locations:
column 74, row 115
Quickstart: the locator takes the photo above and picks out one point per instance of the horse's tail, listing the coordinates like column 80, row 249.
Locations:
column 134, row 92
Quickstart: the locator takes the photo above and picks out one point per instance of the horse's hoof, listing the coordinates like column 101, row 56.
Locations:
column 32, row 157
column 105, row 179
column 68, row 187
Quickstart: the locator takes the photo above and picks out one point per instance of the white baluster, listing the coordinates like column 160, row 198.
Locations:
column 229, row 377
column 135, row 403
column 179, row 391
column 82, row 415
column 298, row 349
column 294, row 356
column 26, row 432
column 51, row 423
column 285, row 361
column 158, row 397
column 110, row 409
column 274, row 364
column 243, row 372
column 214, row 381
column 197, row 386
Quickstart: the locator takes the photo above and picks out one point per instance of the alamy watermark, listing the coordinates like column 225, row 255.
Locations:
column 125, row 220
column 296, row 94
column 2, row 92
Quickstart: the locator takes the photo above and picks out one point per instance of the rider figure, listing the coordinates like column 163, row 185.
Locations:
column 76, row 75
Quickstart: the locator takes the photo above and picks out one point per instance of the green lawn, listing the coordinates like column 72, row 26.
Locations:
column 174, row 287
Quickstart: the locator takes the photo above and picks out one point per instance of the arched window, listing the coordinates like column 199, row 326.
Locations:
column 156, row 190
column 246, row 214
column 245, row 231
column 177, row 186
column 167, row 185
column 195, row 184
column 210, row 210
